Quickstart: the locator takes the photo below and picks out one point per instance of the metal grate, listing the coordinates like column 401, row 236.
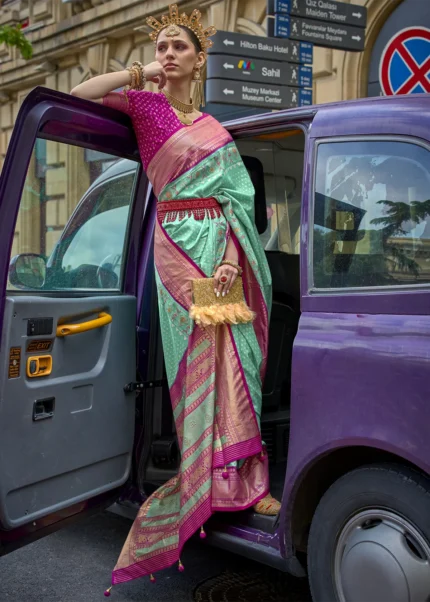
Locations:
column 265, row 585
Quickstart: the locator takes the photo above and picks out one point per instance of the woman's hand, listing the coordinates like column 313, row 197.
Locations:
column 224, row 278
column 155, row 73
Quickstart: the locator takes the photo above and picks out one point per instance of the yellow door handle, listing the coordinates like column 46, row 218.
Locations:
column 66, row 330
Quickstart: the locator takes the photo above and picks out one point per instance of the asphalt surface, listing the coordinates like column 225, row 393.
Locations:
column 74, row 565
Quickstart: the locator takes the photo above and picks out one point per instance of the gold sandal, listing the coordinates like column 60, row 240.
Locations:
column 267, row 506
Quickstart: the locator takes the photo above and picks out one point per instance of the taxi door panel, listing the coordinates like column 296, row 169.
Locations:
column 68, row 346
column 66, row 436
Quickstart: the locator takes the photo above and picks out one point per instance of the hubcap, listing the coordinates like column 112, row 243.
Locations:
column 381, row 557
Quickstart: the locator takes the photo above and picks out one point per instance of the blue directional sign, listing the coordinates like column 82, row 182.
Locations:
column 336, row 13
column 305, row 97
column 320, row 33
column 306, row 53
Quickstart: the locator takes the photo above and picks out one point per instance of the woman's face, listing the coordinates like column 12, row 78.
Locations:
column 177, row 55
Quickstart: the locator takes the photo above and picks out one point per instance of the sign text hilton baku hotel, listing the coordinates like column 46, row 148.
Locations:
column 244, row 45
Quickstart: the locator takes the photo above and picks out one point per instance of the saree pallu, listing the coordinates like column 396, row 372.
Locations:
column 205, row 197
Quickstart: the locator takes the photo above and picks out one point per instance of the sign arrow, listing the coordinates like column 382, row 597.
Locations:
column 228, row 42
column 228, row 66
column 335, row 13
column 264, row 95
column 345, row 37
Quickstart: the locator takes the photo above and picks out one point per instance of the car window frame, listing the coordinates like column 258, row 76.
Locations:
column 314, row 291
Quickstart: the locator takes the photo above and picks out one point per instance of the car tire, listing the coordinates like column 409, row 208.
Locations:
column 370, row 538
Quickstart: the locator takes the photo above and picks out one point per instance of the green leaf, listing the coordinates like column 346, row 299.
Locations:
column 13, row 36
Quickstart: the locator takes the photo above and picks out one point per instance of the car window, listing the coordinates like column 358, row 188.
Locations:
column 372, row 214
column 97, row 237
column 282, row 157
column 71, row 229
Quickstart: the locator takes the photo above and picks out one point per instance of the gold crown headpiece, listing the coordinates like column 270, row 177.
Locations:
column 191, row 22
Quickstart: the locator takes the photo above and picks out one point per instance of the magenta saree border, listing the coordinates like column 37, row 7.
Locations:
column 237, row 451
column 185, row 149
column 256, row 301
column 168, row 558
column 244, row 507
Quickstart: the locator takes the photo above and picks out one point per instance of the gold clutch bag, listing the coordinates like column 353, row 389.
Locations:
column 208, row 309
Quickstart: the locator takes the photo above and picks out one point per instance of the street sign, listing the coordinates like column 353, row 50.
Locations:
column 320, row 33
column 324, row 10
column 226, row 42
column 256, row 70
column 405, row 62
column 267, row 96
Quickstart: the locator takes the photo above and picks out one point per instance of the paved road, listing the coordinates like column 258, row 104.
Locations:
column 74, row 566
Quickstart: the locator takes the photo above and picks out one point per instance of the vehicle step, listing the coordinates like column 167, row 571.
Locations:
column 255, row 551
column 248, row 518
column 125, row 509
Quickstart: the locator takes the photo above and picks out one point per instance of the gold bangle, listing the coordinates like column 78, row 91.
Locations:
column 233, row 265
column 137, row 65
column 137, row 72
column 138, row 79
column 133, row 75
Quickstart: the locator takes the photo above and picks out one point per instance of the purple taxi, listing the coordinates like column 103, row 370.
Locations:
column 342, row 206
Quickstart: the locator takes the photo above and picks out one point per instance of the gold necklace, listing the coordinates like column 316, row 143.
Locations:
column 183, row 108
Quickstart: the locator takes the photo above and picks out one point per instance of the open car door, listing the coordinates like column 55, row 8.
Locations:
column 72, row 196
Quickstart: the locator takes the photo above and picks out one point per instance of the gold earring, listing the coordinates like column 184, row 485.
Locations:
column 197, row 76
column 198, row 92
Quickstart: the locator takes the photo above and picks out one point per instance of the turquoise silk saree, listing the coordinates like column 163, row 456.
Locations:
column 205, row 197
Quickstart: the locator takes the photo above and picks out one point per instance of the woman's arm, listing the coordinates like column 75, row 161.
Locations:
column 97, row 87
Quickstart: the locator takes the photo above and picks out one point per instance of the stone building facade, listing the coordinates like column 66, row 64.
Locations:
column 76, row 39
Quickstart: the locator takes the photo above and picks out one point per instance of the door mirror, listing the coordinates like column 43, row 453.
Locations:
column 27, row 270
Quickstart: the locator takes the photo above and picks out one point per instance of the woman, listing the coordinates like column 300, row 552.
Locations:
column 205, row 226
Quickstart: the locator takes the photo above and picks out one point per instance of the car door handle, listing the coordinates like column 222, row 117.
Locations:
column 65, row 330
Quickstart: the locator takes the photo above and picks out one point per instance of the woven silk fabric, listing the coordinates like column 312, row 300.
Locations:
column 215, row 373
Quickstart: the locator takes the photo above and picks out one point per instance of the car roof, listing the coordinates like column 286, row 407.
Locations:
column 119, row 168
column 363, row 106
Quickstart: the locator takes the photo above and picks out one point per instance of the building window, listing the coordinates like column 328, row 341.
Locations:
column 372, row 214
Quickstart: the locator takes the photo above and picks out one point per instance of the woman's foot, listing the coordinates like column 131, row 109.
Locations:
column 267, row 506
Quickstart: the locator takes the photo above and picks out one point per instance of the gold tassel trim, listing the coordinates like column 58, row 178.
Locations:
column 230, row 313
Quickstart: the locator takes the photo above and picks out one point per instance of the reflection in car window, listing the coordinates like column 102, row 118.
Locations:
column 72, row 215
column 92, row 254
column 372, row 214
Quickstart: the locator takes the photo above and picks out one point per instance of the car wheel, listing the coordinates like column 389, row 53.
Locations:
column 370, row 538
